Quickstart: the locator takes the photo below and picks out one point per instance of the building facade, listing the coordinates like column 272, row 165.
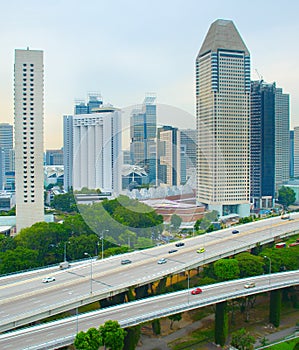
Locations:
column 143, row 133
column 168, row 156
column 296, row 151
column 270, row 152
column 29, row 136
column 97, row 156
column 6, row 143
column 54, row 157
column 223, row 120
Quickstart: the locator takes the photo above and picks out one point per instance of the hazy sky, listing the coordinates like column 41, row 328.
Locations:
column 124, row 49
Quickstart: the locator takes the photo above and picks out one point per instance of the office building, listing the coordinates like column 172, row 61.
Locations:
column 29, row 137
column 54, row 157
column 6, row 143
column 223, row 120
column 143, row 133
column 291, row 154
column 96, row 151
column 168, row 156
column 94, row 101
column 270, row 146
column 296, row 151
column 68, row 151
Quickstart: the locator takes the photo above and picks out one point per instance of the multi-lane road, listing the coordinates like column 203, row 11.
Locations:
column 24, row 298
column 60, row 333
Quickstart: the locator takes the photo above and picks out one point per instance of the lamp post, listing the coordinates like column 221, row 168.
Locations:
column 87, row 254
column 64, row 255
column 102, row 238
column 266, row 257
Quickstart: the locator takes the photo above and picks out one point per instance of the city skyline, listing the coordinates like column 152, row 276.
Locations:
column 144, row 49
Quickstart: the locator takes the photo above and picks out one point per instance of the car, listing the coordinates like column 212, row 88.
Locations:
column 48, row 279
column 201, row 250
column 162, row 261
column 235, row 232
column 172, row 251
column 249, row 285
column 196, row 291
column 126, row 261
column 179, row 244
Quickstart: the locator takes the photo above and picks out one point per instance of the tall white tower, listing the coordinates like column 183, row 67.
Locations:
column 97, row 155
column 223, row 120
column 29, row 136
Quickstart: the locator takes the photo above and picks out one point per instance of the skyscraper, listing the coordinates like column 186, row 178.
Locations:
column 92, row 150
column 68, row 152
column 143, row 133
column 6, row 143
column 29, row 136
column 168, row 156
column 296, row 151
column 269, row 142
column 223, row 120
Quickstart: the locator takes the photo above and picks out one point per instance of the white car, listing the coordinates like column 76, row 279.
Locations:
column 48, row 279
column 162, row 261
column 249, row 285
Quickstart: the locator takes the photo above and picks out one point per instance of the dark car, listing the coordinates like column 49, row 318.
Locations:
column 172, row 251
column 196, row 291
column 234, row 232
column 126, row 261
column 179, row 244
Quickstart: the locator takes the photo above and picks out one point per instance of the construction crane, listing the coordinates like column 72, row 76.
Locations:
column 260, row 76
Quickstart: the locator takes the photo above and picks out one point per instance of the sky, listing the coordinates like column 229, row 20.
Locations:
column 125, row 49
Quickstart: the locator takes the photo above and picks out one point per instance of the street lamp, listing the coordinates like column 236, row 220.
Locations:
column 64, row 255
column 87, row 254
column 266, row 257
column 102, row 238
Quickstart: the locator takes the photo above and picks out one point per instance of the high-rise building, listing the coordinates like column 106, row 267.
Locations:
column 188, row 155
column 223, row 120
column 168, row 156
column 94, row 101
column 68, row 152
column 54, row 157
column 270, row 152
column 143, row 133
column 296, row 151
column 92, row 150
column 292, row 154
column 6, row 143
column 29, row 136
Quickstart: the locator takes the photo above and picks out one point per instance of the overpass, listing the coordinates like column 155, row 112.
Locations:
column 24, row 299
column 62, row 333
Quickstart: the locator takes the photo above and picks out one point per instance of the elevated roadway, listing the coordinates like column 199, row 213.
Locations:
column 24, row 298
column 61, row 333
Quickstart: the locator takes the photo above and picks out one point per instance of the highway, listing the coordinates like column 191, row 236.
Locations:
column 60, row 333
column 24, row 298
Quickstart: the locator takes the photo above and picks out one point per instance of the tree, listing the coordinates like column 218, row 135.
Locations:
column 286, row 196
column 112, row 335
column 64, row 202
column 90, row 340
column 250, row 265
column 173, row 318
column 242, row 340
column 175, row 221
column 226, row 269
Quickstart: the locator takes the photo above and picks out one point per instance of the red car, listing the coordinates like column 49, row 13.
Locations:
column 196, row 291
